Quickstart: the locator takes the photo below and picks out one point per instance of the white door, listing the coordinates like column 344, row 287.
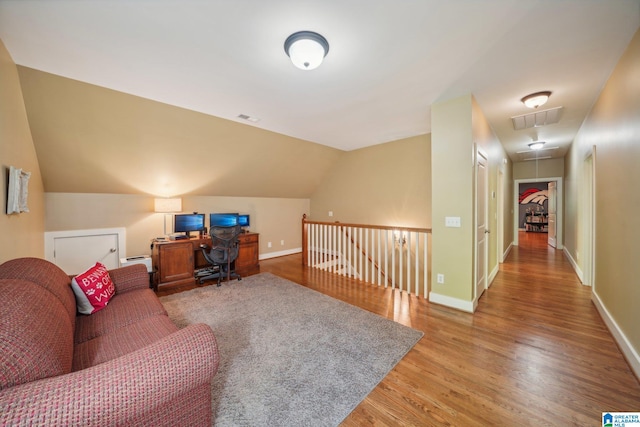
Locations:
column 76, row 250
column 74, row 254
column 481, row 224
column 552, row 193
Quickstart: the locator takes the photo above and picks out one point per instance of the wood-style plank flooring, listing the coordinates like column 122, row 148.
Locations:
column 536, row 352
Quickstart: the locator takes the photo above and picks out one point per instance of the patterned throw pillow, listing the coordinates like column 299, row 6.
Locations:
column 93, row 289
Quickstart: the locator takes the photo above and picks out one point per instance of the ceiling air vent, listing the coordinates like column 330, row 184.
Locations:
column 248, row 118
column 536, row 119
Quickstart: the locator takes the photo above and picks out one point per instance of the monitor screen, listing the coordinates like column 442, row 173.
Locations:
column 184, row 223
column 243, row 220
column 223, row 219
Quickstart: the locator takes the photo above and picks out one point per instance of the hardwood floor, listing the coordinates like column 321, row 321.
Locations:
column 536, row 352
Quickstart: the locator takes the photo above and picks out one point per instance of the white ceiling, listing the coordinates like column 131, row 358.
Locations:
column 389, row 60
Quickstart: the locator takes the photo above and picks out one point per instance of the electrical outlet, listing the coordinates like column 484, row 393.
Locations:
column 281, row 242
column 268, row 244
column 330, row 213
column 440, row 278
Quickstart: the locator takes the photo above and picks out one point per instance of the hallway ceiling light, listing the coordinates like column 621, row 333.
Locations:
column 537, row 99
column 306, row 49
column 537, row 145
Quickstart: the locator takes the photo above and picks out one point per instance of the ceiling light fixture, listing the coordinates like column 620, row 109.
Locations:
column 306, row 49
column 536, row 145
column 536, row 99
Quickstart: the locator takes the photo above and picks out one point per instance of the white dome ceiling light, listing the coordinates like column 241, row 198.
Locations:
column 537, row 99
column 306, row 49
column 537, row 145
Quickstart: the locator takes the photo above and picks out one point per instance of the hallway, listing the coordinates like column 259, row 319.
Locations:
column 536, row 352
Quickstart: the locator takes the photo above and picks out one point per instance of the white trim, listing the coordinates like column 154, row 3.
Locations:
column 574, row 264
column 625, row 346
column 468, row 306
column 506, row 253
column 493, row 274
column 280, row 253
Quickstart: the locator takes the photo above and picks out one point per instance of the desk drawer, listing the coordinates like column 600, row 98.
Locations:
column 248, row 238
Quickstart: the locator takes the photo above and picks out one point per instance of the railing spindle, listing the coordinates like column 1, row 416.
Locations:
column 356, row 251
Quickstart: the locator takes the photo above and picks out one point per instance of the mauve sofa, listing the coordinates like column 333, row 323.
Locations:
column 126, row 364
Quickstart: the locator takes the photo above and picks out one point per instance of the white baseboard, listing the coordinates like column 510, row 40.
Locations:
column 506, row 253
column 574, row 264
column 468, row 306
column 280, row 253
column 625, row 346
column 493, row 274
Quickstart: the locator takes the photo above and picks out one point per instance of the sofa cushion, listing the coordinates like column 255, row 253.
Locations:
column 36, row 334
column 93, row 289
column 123, row 310
column 120, row 342
column 46, row 275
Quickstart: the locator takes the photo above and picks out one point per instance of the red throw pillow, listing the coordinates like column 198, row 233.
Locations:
column 93, row 289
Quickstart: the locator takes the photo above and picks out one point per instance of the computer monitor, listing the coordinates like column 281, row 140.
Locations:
column 185, row 223
column 243, row 220
column 223, row 219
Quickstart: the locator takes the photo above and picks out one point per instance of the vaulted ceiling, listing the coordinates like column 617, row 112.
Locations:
column 388, row 61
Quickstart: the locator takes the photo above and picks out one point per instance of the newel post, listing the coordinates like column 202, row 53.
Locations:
column 305, row 230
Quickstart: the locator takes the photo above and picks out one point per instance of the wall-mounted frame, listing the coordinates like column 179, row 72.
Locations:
column 17, row 191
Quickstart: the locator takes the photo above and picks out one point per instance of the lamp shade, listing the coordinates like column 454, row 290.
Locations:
column 168, row 205
column 306, row 49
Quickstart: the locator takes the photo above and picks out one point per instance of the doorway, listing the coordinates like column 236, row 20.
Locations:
column 481, row 214
column 558, row 205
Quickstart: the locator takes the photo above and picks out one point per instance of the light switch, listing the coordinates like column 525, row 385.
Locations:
column 452, row 221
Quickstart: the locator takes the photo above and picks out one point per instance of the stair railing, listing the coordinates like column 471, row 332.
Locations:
column 389, row 256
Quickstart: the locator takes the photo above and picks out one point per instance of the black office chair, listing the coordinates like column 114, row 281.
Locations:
column 221, row 255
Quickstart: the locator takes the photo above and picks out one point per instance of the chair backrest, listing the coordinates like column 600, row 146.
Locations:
column 224, row 242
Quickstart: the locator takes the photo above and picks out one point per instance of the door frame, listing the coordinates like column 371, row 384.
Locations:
column 500, row 219
column 559, row 207
column 589, row 223
column 480, row 152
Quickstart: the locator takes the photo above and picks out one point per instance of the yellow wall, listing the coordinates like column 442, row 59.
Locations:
column 613, row 127
column 386, row 184
column 22, row 234
column 276, row 219
column 97, row 140
column 499, row 162
column 452, row 195
column 458, row 127
column 548, row 168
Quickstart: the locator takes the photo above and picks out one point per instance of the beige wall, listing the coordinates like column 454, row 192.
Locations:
column 548, row 168
column 386, row 184
column 499, row 163
column 458, row 125
column 22, row 234
column 97, row 140
column 276, row 219
column 613, row 127
column 452, row 195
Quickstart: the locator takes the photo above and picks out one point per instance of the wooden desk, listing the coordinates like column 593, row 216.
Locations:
column 175, row 261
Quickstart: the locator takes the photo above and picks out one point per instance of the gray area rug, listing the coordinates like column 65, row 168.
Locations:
column 290, row 356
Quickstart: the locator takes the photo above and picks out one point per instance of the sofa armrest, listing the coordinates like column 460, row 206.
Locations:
column 122, row 391
column 131, row 277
